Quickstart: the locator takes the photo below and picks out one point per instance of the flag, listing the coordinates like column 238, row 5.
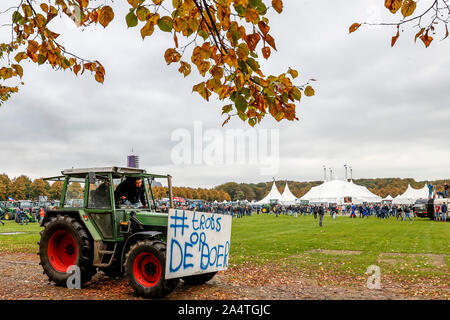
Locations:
column 10, row 199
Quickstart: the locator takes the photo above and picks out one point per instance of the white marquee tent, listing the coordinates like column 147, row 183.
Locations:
column 336, row 190
column 287, row 198
column 274, row 194
column 411, row 195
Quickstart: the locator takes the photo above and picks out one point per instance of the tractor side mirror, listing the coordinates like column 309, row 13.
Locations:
column 91, row 178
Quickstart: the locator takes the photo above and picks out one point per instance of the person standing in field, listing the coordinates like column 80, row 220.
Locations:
column 430, row 190
column 399, row 213
column 407, row 213
column 446, row 190
column 353, row 214
column 321, row 214
column 444, row 212
column 437, row 212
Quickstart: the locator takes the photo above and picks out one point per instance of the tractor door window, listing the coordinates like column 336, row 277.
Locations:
column 99, row 195
column 130, row 193
column 75, row 193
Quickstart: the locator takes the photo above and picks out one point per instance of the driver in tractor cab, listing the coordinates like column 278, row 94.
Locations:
column 130, row 192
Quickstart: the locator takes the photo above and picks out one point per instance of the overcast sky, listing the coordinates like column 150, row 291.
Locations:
column 382, row 110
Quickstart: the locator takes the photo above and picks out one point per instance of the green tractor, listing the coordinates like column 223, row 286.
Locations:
column 95, row 230
column 10, row 213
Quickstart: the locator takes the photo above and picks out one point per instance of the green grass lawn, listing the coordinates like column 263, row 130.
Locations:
column 289, row 241
column 265, row 238
column 23, row 242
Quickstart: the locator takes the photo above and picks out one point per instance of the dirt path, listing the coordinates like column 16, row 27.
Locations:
column 21, row 277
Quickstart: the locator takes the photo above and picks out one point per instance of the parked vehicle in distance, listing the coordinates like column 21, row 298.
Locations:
column 420, row 208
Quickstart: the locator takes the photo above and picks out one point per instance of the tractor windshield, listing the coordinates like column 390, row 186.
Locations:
column 74, row 197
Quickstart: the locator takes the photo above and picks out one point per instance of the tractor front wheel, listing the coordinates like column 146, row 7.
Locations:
column 65, row 243
column 145, row 268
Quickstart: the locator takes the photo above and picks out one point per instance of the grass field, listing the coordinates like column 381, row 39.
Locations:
column 344, row 245
column 420, row 248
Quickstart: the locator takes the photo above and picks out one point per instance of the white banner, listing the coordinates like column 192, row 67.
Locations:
column 197, row 242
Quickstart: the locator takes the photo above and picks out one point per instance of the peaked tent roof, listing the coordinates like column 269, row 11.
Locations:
column 389, row 198
column 274, row 194
column 336, row 190
column 411, row 194
column 287, row 197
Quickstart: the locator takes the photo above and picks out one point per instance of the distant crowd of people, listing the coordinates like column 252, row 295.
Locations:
column 363, row 211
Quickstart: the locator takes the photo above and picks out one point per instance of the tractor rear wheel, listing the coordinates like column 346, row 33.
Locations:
column 199, row 278
column 64, row 243
column 145, row 268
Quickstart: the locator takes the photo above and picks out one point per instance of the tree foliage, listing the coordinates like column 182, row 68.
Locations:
column 429, row 22
column 191, row 193
column 225, row 38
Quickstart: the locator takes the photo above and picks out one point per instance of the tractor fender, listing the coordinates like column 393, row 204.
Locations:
column 77, row 215
column 53, row 213
column 133, row 238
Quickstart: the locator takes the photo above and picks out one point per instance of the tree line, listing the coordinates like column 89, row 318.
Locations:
column 22, row 187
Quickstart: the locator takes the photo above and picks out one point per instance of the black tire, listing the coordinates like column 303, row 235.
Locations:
column 199, row 279
column 83, row 256
column 145, row 268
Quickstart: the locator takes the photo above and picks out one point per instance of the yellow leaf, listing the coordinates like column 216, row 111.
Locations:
column 44, row 7
column 171, row 55
column 408, row 8
column 216, row 72
column 148, row 29
column 393, row 5
column 106, row 16
column 277, row 5
column 309, row 91
column 99, row 76
column 293, row 73
column 185, row 68
column 251, row 15
column 18, row 69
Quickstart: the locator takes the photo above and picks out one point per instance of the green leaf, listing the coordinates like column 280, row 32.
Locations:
column 131, row 19
column 41, row 59
column 165, row 24
column 142, row 13
column 296, row 94
column 241, row 103
column 16, row 17
column 243, row 116
column 243, row 66
column 203, row 34
column 253, row 64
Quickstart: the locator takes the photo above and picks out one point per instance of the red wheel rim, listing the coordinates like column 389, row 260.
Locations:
column 62, row 250
column 147, row 269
